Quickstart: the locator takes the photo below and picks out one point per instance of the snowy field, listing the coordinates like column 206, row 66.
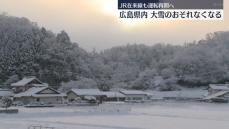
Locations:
column 159, row 115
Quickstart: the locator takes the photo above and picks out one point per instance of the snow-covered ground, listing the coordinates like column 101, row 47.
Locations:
column 158, row 115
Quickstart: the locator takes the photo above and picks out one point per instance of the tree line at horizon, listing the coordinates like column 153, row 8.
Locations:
column 29, row 50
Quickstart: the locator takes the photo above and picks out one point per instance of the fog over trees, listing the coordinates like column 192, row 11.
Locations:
column 29, row 50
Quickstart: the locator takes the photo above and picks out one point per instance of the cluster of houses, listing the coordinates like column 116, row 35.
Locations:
column 31, row 90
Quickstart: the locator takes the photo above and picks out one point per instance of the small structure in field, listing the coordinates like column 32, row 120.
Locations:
column 136, row 95
column 40, row 95
column 221, row 96
column 114, row 96
column 218, row 93
column 86, row 94
column 214, row 88
column 26, row 83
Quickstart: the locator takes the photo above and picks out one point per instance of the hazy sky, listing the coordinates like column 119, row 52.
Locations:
column 94, row 24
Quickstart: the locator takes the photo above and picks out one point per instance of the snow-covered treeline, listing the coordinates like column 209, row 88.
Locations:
column 28, row 50
column 167, row 67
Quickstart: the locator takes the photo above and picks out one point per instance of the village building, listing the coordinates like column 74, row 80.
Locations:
column 26, row 83
column 218, row 93
column 40, row 95
column 86, row 94
column 136, row 95
column 114, row 96
column 31, row 90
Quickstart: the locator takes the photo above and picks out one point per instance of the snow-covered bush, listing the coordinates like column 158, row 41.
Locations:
column 6, row 102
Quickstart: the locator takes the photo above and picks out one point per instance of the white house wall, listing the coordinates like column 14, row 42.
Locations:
column 45, row 100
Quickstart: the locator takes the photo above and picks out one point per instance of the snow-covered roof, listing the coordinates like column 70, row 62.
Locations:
column 134, row 92
column 5, row 93
column 41, row 85
column 25, row 81
column 220, row 93
column 112, row 94
column 88, row 92
column 34, row 92
column 180, row 94
column 89, row 98
column 219, row 86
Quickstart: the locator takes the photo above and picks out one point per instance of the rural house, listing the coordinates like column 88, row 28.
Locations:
column 40, row 95
column 114, row 96
column 86, row 94
column 136, row 95
column 26, row 83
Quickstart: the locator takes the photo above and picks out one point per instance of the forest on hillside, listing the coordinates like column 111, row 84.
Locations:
column 29, row 50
